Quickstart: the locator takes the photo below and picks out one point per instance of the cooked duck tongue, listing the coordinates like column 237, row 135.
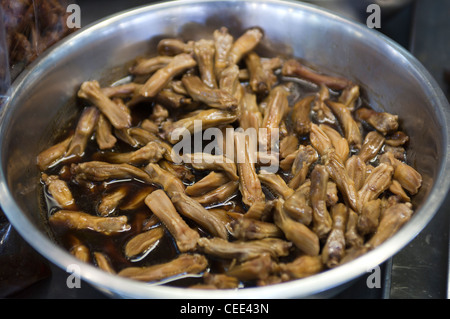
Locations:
column 117, row 115
column 294, row 68
column 244, row 44
column 150, row 153
column 183, row 264
column 81, row 220
column 161, row 205
column 162, row 77
column 213, row 97
column 193, row 210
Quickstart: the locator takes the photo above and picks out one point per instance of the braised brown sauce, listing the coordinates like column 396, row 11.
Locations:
column 87, row 200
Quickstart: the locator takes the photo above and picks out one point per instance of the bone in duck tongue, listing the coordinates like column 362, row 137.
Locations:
column 250, row 115
column 320, row 140
column 339, row 143
column 392, row 219
column 248, row 229
column 207, row 183
column 122, row 90
column 376, row 183
column 161, row 205
column 294, row 68
column 223, row 43
column 144, row 241
column 334, row 248
column 160, row 78
column 371, row 146
column 301, row 115
column 300, row 235
column 258, row 268
column 169, row 182
column 203, row 161
column 323, row 113
column 350, row 127
column 212, row 97
column 150, row 153
column 150, row 65
column 353, row 238
column 244, row 250
column 60, row 191
column 81, row 220
column 369, row 218
column 357, row 170
column 137, row 136
column 301, row 267
column 181, row 171
column 183, row 264
column 85, row 128
column 249, row 184
column 103, row 133
column 173, row 47
column 229, row 82
column 276, row 184
column 288, row 145
column 407, row 176
column 338, row 173
column 118, row 117
column 349, row 96
column 305, row 157
column 103, row 262
column 382, row 121
column 204, row 52
column 111, row 200
column 168, row 98
column 218, row 195
column 298, row 206
column 53, row 154
column 244, row 44
column 98, row 171
column 209, row 118
column 261, row 79
column 318, row 193
column 193, row 210
column 276, row 110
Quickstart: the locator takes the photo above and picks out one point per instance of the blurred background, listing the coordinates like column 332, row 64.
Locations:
column 419, row 271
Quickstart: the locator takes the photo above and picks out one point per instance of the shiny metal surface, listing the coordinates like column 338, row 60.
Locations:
column 42, row 99
column 420, row 270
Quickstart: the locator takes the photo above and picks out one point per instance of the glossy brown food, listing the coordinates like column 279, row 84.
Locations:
column 304, row 175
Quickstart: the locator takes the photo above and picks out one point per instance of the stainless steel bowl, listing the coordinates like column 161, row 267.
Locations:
column 42, row 99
